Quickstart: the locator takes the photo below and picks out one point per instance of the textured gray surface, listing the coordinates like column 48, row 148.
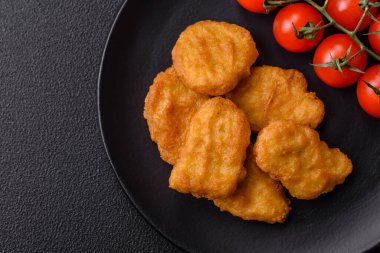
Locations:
column 57, row 189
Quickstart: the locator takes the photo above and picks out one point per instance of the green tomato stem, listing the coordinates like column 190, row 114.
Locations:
column 352, row 57
column 366, row 9
column 352, row 34
column 325, row 5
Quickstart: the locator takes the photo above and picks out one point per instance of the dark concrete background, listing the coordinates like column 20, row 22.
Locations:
column 58, row 192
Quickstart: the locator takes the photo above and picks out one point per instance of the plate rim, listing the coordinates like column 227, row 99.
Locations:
column 121, row 182
column 105, row 145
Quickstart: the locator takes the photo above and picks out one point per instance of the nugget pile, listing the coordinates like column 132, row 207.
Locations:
column 201, row 111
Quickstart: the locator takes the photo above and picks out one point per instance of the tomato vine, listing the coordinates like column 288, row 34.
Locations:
column 364, row 4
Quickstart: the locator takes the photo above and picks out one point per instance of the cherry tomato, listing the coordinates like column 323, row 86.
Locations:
column 256, row 6
column 369, row 98
column 297, row 15
column 336, row 47
column 374, row 39
column 348, row 13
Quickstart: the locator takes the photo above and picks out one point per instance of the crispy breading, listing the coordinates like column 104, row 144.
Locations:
column 296, row 156
column 211, row 57
column 340, row 165
column 258, row 197
column 273, row 93
column 211, row 161
column 169, row 106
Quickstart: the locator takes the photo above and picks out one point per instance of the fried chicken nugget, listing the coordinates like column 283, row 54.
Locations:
column 296, row 156
column 169, row 106
column 258, row 197
column 211, row 161
column 273, row 93
column 212, row 57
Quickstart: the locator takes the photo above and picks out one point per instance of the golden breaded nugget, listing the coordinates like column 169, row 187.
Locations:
column 211, row 57
column 273, row 93
column 340, row 164
column 303, row 163
column 258, row 197
column 211, row 161
column 169, row 106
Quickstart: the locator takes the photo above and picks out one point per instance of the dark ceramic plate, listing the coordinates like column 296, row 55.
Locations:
column 345, row 220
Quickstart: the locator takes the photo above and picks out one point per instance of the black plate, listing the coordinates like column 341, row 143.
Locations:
column 345, row 220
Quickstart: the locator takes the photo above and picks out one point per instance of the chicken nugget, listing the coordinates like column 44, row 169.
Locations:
column 211, row 161
column 273, row 93
column 211, row 57
column 296, row 156
column 169, row 106
column 258, row 197
column 340, row 164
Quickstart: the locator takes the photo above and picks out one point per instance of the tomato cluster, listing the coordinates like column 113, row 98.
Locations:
column 338, row 60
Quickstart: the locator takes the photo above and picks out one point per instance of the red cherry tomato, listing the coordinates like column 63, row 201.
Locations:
column 367, row 97
column 256, row 6
column 336, row 47
column 348, row 13
column 374, row 39
column 299, row 15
